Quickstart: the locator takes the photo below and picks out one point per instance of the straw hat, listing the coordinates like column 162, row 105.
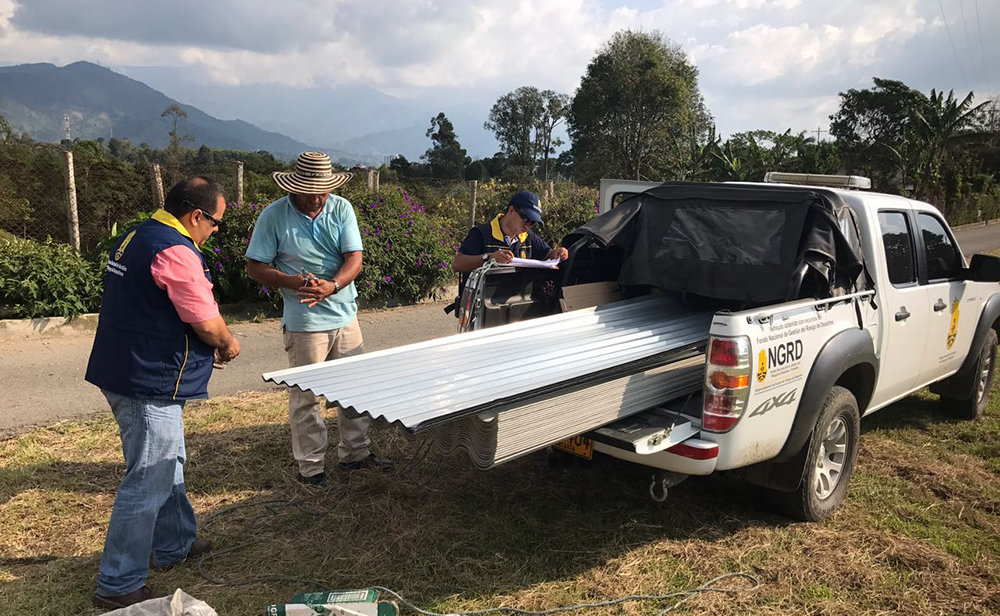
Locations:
column 313, row 175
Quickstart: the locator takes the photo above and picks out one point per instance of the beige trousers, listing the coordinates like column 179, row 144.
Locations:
column 305, row 414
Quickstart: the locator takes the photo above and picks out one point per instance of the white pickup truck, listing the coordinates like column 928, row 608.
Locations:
column 829, row 304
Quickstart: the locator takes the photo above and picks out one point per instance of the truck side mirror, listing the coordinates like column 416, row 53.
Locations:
column 984, row 268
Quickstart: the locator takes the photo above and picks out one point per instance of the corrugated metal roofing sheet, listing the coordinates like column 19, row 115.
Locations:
column 422, row 385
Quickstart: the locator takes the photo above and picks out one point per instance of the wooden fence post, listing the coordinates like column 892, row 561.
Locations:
column 157, row 180
column 550, row 189
column 73, row 216
column 239, row 182
column 473, row 186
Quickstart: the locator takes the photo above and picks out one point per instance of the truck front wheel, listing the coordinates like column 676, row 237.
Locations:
column 973, row 406
column 829, row 463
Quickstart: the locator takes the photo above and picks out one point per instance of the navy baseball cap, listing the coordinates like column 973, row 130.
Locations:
column 528, row 204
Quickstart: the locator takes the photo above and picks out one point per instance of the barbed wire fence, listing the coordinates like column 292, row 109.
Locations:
column 50, row 192
column 81, row 196
column 34, row 202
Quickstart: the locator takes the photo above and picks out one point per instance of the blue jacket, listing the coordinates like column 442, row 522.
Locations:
column 142, row 349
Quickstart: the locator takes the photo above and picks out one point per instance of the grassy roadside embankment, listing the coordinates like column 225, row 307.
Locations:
column 919, row 533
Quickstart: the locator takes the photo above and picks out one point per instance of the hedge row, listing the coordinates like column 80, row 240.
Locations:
column 408, row 251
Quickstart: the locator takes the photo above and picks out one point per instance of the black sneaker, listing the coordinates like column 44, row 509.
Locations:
column 369, row 462
column 313, row 480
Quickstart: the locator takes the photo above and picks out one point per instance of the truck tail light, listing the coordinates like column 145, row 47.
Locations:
column 724, row 352
column 727, row 383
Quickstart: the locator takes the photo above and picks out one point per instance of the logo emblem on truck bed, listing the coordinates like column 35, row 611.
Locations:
column 786, row 353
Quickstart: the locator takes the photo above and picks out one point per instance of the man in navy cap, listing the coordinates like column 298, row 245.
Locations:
column 507, row 236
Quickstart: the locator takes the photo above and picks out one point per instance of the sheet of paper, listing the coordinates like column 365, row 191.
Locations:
column 519, row 262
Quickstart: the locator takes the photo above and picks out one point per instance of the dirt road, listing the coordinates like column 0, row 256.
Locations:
column 974, row 239
column 41, row 380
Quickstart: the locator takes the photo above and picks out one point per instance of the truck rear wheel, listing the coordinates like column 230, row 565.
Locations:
column 829, row 463
column 973, row 406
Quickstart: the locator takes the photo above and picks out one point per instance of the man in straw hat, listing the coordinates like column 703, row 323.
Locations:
column 312, row 239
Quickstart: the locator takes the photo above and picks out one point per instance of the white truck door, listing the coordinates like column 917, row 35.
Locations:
column 951, row 323
column 903, row 311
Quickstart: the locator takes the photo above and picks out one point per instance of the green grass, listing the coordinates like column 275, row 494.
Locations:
column 919, row 533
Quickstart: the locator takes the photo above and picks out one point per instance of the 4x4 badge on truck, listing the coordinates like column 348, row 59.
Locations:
column 769, row 405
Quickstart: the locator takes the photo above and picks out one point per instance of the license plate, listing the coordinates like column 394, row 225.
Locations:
column 578, row 446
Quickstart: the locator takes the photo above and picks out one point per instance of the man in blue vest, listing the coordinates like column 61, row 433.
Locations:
column 158, row 333
column 507, row 236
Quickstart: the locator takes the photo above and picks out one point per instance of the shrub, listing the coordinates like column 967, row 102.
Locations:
column 40, row 279
column 408, row 253
column 567, row 209
column 570, row 207
column 226, row 252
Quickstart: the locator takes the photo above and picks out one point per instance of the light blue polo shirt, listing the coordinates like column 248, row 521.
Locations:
column 294, row 243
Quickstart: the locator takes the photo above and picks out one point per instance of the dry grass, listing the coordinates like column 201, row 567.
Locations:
column 920, row 533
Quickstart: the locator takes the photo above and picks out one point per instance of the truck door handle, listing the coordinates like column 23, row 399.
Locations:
column 902, row 315
column 939, row 306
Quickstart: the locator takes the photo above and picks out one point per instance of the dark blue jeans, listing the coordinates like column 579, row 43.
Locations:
column 151, row 513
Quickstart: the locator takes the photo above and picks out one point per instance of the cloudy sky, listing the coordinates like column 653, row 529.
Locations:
column 772, row 64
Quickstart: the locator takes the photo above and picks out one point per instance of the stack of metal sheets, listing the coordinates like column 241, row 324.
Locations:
column 506, row 391
column 498, row 436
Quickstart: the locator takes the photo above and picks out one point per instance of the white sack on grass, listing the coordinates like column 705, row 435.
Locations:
column 179, row 604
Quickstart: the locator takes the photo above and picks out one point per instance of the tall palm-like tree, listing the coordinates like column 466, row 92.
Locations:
column 699, row 158
column 936, row 129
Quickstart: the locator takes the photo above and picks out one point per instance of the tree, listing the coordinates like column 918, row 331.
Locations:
column 702, row 158
column 174, row 114
column 401, row 166
column 476, row 170
column 446, row 157
column 553, row 113
column 937, row 129
column 14, row 209
column 120, row 148
column 870, row 128
column 513, row 120
column 6, row 132
column 635, row 107
column 205, row 158
column 523, row 122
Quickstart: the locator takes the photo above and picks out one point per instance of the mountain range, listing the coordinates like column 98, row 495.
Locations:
column 354, row 124
column 350, row 117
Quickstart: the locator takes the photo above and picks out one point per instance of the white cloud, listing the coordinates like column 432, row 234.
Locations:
column 781, row 54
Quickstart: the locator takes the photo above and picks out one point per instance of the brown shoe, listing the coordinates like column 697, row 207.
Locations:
column 199, row 547
column 113, row 603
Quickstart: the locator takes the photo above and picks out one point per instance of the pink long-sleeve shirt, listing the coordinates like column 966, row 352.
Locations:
column 178, row 271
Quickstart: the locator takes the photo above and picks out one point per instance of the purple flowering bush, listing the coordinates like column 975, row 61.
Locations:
column 226, row 252
column 408, row 253
column 408, row 250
